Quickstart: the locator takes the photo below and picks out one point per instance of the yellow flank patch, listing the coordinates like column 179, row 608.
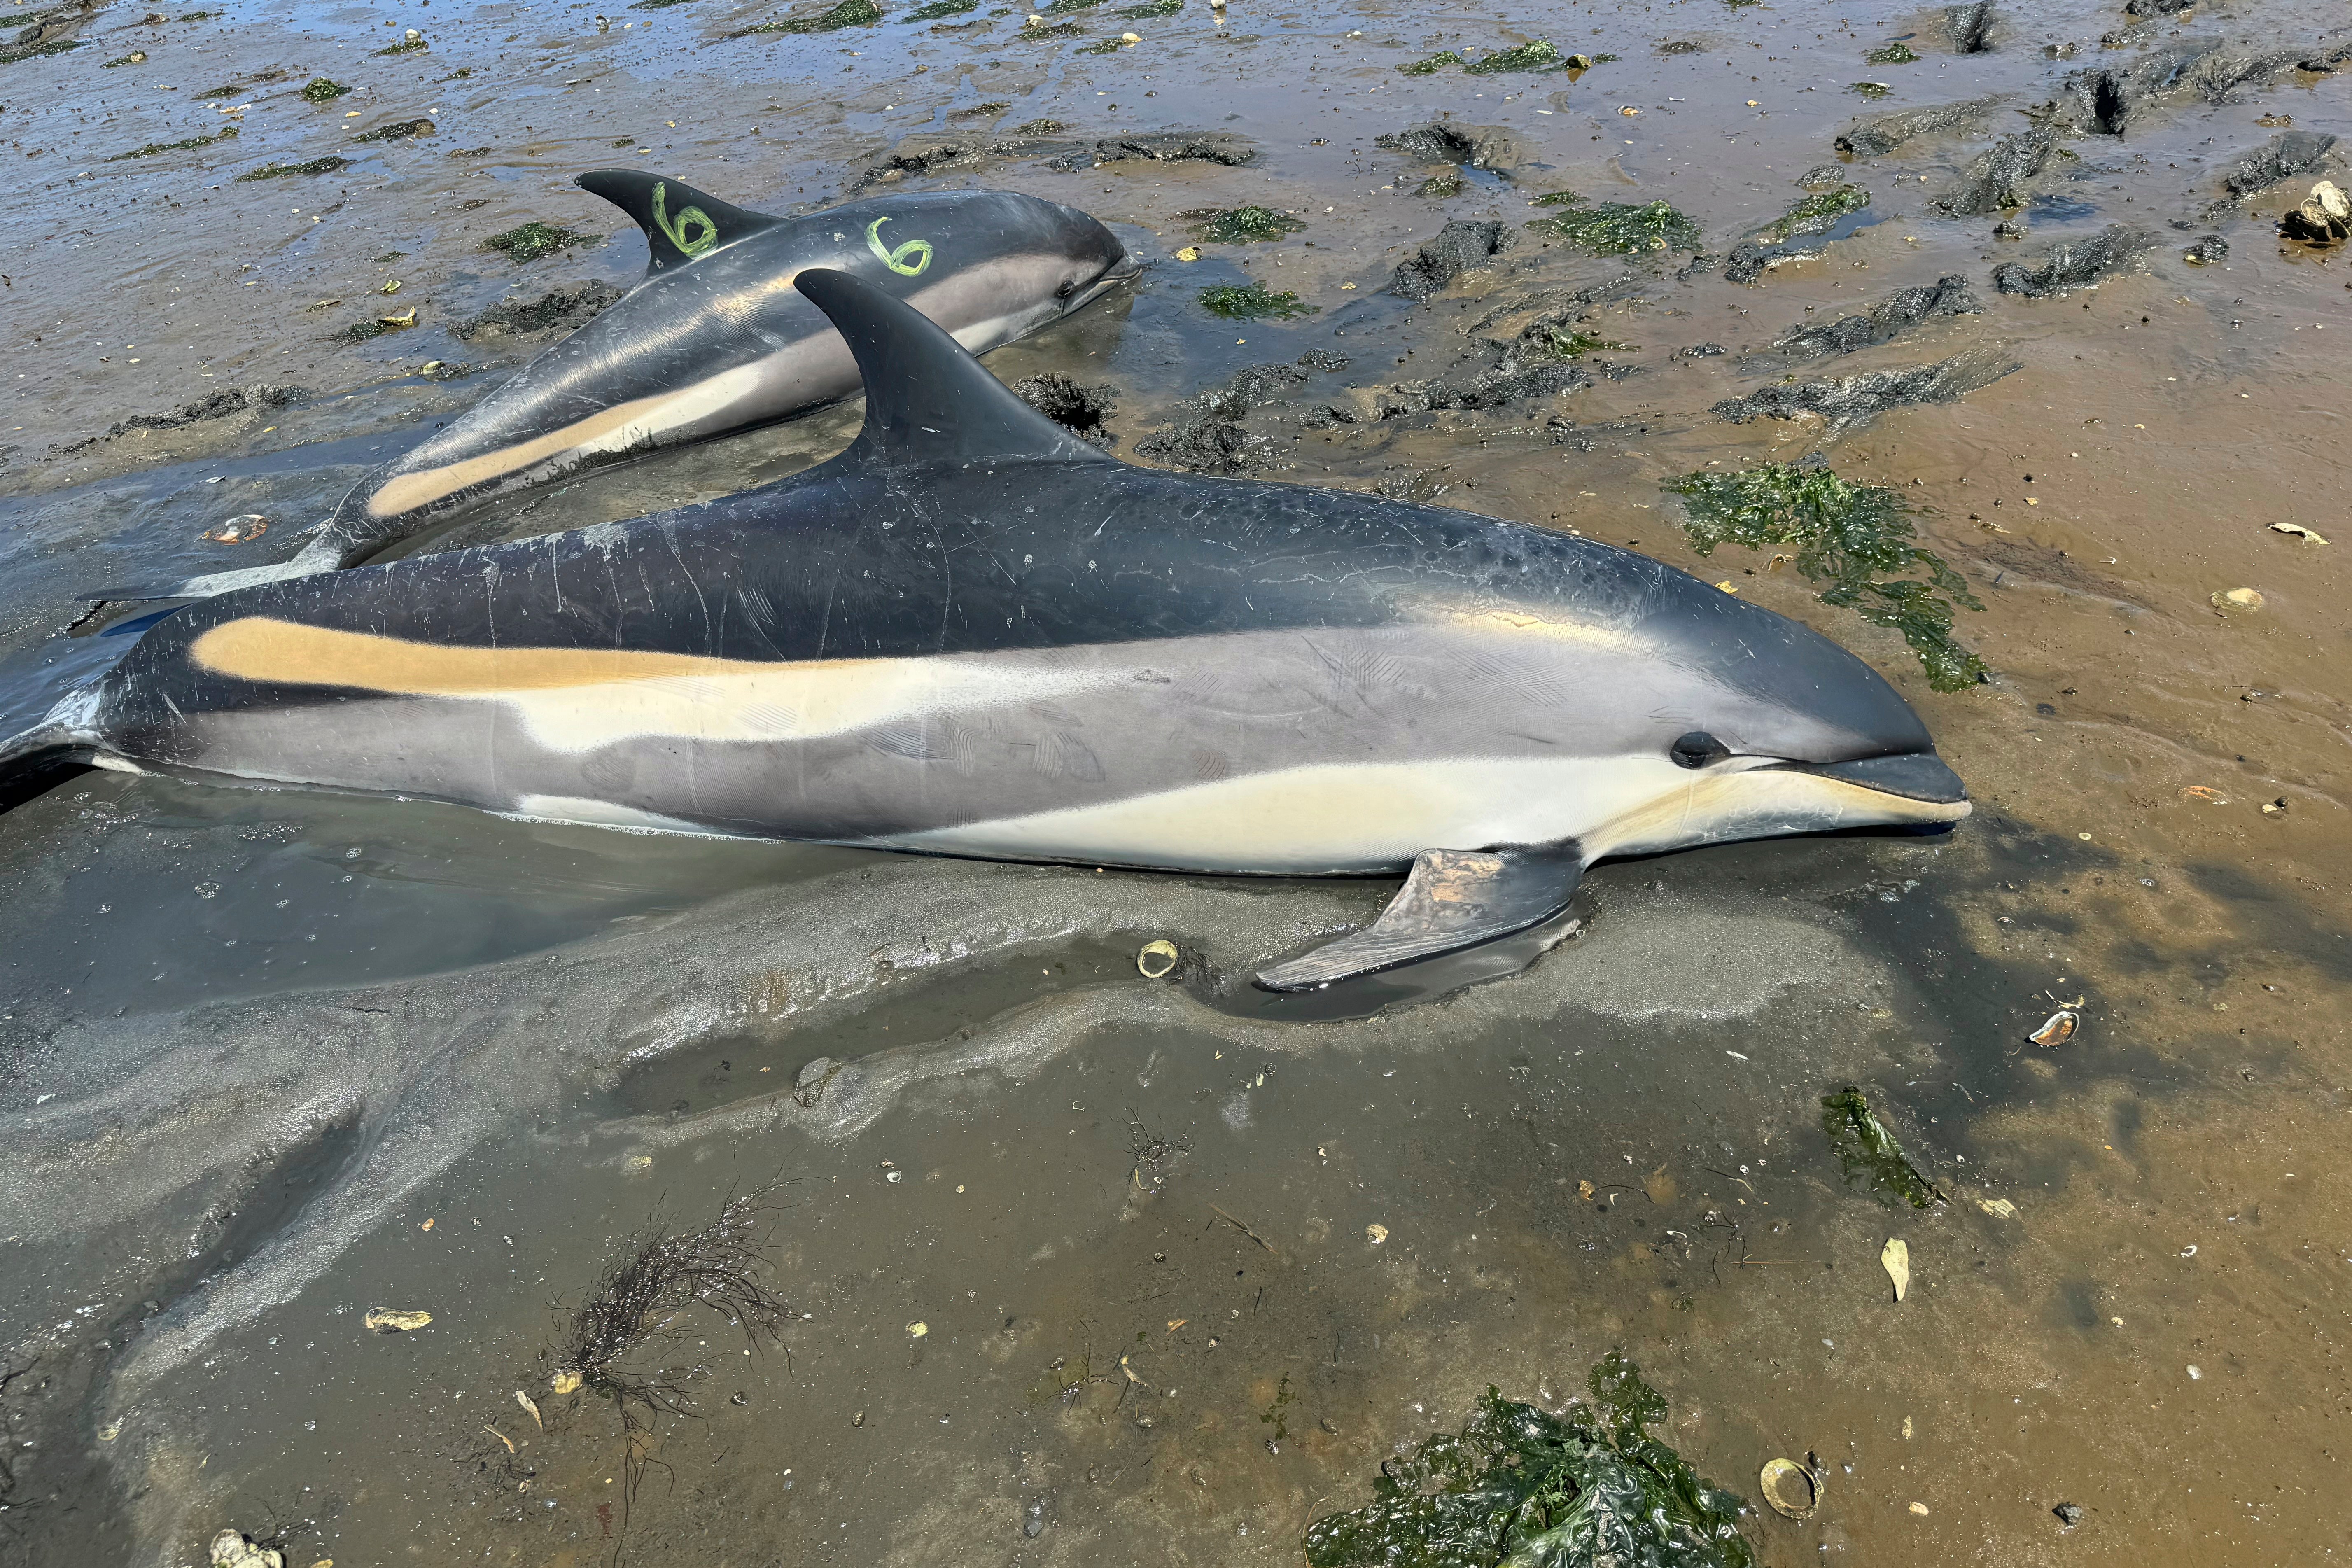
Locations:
column 576, row 700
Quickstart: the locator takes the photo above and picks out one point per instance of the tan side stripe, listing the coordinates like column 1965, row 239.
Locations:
column 405, row 493
column 288, row 653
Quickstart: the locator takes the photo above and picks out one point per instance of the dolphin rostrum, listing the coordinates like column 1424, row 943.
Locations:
column 714, row 339
column 972, row 633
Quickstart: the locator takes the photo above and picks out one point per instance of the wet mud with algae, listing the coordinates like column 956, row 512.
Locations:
column 1058, row 1264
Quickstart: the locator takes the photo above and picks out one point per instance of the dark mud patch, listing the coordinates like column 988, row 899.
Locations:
column 1458, row 247
column 561, row 308
column 1075, row 406
column 1168, row 147
column 1443, row 142
column 1210, row 437
column 2108, row 100
column 2073, row 264
column 2282, row 158
column 531, row 241
column 1856, row 542
column 1506, row 376
column 1995, row 179
column 1519, row 1485
column 1850, row 400
column 1885, row 322
column 1874, row 137
column 259, row 398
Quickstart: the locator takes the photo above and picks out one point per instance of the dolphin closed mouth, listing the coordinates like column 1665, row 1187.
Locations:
column 1913, row 775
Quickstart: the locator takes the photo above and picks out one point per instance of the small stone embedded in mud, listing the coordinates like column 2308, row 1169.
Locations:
column 1376, row 1234
column 2069, row 1514
column 388, row 1320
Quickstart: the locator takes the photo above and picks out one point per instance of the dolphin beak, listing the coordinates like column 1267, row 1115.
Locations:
column 1913, row 775
column 1128, row 266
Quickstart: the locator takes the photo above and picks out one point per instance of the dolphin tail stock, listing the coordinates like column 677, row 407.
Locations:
column 928, row 400
column 680, row 222
column 38, row 759
column 1454, row 899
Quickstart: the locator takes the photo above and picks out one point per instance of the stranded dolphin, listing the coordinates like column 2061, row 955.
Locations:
column 713, row 341
column 971, row 633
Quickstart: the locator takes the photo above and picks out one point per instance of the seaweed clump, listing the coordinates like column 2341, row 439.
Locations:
column 847, row 13
column 398, row 130
column 939, row 8
column 326, row 165
column 1892, row 55
column 323, row 89
column 1242, row 225
column 1249, row 301
column 154, row 148
column 1856, row 538
column 1815, row 213
column 1871, row 88
column 1617, row 228
column 1536, row 55
column 1868, row 1151
column 1523, row 1487
column 529, row 241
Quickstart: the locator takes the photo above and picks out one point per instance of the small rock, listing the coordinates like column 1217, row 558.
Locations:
column 2206, row 251
column 385, row 1320
column 2248, row 600
column 2324, row 218
column 2069, row 1514
column 233, row 1549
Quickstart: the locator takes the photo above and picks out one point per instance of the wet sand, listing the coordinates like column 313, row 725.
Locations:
column 252, row 1043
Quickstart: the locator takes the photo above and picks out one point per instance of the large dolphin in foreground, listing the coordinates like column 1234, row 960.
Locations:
column 971, row 633
column 714, row 339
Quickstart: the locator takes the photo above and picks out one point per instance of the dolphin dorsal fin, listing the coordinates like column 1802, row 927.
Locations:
column 680, row 222
column 928, row 401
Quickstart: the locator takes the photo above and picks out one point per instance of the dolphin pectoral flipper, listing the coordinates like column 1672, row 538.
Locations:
column 680, row 222
column 1454, row 899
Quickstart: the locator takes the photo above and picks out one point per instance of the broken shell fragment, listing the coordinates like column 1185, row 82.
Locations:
column 1895, row 1258
column 2058, row 1028
column 2247, row 599
column 240, row 530
column 2297, row 530
column 1157, row 959
column 384, row 1320
column 564, row 1382
column 1790, row 1488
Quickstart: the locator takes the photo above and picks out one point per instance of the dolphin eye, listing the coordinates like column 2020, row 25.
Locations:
column 1066, row 289
column 1697, row 750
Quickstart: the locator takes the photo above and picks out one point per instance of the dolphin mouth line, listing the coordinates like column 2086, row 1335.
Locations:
column 1913, row 775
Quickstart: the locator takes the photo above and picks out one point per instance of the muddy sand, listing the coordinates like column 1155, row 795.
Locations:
column 1056, row 1264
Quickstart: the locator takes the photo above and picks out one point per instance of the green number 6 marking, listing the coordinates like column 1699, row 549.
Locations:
column 691, row 221
column 895, row 260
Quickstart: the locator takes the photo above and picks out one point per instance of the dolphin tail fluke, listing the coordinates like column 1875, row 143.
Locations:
column 680, row 222
column 1454, row 899
column 37, row 761
column 928, row 401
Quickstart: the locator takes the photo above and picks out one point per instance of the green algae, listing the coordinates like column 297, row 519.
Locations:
column 1438, row 188
column 1892, row 55
column 1814, row 213
column 1536, row 55
column 1055, row 30
column 1522, row 1488
column 981, row 111
column 1871, row 88
column 9, row 56
column 1856, row 538
column 940, row 8
column 1100, row 46
column 847, row 13
column 1249, row 301
column 321, row 90
column 399, row 131
column 1156, row 8
column 154, row 148
column 529, row 241
column 1869, row 1153
column 1617, row 228
column 1067, row 5
column 326, row 165
column 1242, row 225
column 1042, row 128
column 405, row 47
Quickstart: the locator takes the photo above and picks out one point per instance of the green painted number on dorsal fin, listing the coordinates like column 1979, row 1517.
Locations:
column 689, row 220
column 895, row 260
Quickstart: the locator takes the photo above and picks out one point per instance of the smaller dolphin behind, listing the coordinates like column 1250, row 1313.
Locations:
column 972, row 633
column 715, row 340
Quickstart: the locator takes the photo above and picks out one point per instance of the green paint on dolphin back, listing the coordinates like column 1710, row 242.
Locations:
column 692, row 230
column 898, row 260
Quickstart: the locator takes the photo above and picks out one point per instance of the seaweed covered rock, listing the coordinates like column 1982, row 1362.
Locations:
column 1521, row 1486
column 1443, row 141
column 2104, row 99
column 2074, row 263
column 1458, row 247
column 1996, row 177
column 1075, row 408
column 1849, row 400
column 1885, row 322
column 2275, row 161
column 1882, row 134
column 1970, row 28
